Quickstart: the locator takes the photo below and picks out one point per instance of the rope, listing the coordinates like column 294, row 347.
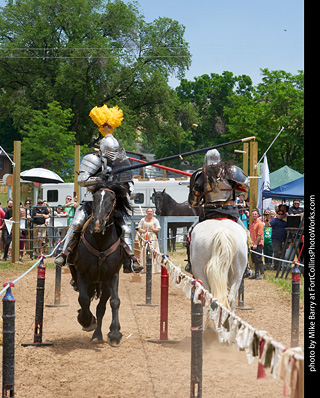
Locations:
column 241, row 333
column 279, row 259
column 32, row 267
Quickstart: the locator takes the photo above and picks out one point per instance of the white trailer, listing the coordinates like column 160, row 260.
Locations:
column 177, row 188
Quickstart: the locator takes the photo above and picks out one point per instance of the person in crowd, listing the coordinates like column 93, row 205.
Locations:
column 295, row 209
column 267, row 247
column 241, row 203
column 70, row 207
column 2, row 213
column 278, row 236
column 23, row 232
column 6, row 235
column 272, row 214
column 257, row 238
column 27, row 206
column 244, row 217
column 39, row 215
column 284, row 207
column 148, row 228
column 59, row 232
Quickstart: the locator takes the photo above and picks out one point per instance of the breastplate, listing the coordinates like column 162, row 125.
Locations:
column 219, row 191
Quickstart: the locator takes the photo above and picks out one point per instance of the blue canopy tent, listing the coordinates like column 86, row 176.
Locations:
column 291, row 190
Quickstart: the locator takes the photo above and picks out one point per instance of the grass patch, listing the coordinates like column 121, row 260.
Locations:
column 10, row 266
column 285, row 284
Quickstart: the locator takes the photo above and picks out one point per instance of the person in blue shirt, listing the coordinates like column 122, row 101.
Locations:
column 278, row 236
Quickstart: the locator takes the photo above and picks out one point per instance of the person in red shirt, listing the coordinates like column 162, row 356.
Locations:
column 256, row 234
column 2, row 213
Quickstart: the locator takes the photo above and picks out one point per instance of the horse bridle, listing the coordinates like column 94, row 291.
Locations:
column 114, row 202
column 102, row 255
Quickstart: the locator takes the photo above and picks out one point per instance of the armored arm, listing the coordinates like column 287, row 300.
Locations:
column 236, row 175
column 88, row 169
column 196, row 188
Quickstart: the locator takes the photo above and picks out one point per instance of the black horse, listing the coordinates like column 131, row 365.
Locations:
column 167, row 206
column 98, row 259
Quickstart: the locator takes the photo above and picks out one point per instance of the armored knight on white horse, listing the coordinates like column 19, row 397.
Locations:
column 218, row 242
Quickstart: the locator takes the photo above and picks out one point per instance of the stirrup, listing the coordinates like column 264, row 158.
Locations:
column 188, row 268
column 60, row 256
column 74, row 285
column 135, row 265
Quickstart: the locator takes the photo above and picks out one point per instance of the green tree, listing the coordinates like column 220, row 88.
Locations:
column 276, row 102
column 208, row 95
column 48, row 142
column 84, row 53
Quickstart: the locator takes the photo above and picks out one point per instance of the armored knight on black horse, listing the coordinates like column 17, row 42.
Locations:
column 109, row 158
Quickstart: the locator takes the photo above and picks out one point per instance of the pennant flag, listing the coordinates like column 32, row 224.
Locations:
column 265, row 185
column 9, row 225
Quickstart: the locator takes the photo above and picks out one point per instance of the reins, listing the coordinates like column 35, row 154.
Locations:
column 101, row 255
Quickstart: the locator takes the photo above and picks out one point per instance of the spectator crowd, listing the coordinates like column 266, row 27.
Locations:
column 41, row 227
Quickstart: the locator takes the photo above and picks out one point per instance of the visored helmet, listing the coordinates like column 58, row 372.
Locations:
column 109, row 147
column 212, row 157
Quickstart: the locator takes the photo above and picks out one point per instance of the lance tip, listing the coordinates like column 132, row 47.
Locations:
column 248, row 138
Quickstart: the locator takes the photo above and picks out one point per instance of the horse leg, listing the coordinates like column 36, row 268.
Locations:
column 168, row 239
column 101, row 309
column 236, row 272
column 174, row 234
column 114, row 336
column 85, row 317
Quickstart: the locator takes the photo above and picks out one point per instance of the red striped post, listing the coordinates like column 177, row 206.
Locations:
column 164, row 304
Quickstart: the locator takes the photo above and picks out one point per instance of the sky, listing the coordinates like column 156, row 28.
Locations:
column 240, row 36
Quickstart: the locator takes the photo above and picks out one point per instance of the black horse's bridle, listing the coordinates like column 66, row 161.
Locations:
column 114, row 202
column 102, row 255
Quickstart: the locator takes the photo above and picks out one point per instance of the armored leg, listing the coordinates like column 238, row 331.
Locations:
column 72, row 236
column 131, row 263
column 188, row 267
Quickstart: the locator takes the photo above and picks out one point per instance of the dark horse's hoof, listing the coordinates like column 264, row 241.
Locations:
column 88, row 328
column 114, row 342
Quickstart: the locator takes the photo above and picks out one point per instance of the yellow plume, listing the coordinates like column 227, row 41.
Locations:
column 101, row 115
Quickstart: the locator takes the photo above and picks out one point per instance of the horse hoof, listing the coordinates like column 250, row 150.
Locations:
column 91, row 327
column 114, row 343
column 96, row 340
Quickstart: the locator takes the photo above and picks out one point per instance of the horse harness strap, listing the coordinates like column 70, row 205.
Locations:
column 101, row 255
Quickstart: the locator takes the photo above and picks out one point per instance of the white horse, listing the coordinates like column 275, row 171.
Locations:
column 219, row 254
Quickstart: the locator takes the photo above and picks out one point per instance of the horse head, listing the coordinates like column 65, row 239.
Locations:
column 104, row 202
column 158, row 198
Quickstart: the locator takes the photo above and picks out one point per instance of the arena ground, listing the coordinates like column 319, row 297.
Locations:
column 74, row 367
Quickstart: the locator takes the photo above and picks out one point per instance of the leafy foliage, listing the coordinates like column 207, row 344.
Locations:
column 276, row 102
column 60, row 59
column 47, row 142
column 83, row 53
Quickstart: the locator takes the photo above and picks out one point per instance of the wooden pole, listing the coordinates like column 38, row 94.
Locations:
column 16, row 202
column 253, row 173
column 245, row 166
column 76, row 170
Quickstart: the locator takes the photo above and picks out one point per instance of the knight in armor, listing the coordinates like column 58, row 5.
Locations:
column 110, row 156
column 213, row 188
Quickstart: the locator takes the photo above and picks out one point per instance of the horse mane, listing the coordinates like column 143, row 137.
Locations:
column 119, row 189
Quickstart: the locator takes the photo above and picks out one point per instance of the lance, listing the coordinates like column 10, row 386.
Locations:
column 181, row 156
column 159, row 166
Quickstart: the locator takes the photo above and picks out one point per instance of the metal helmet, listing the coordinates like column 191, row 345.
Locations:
column 212, row 157
column 109, row 147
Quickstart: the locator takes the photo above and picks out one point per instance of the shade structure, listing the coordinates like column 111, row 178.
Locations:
column 292, row 190
column 42, row 176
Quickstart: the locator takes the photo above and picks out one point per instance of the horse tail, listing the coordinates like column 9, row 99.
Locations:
column 224, row 247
